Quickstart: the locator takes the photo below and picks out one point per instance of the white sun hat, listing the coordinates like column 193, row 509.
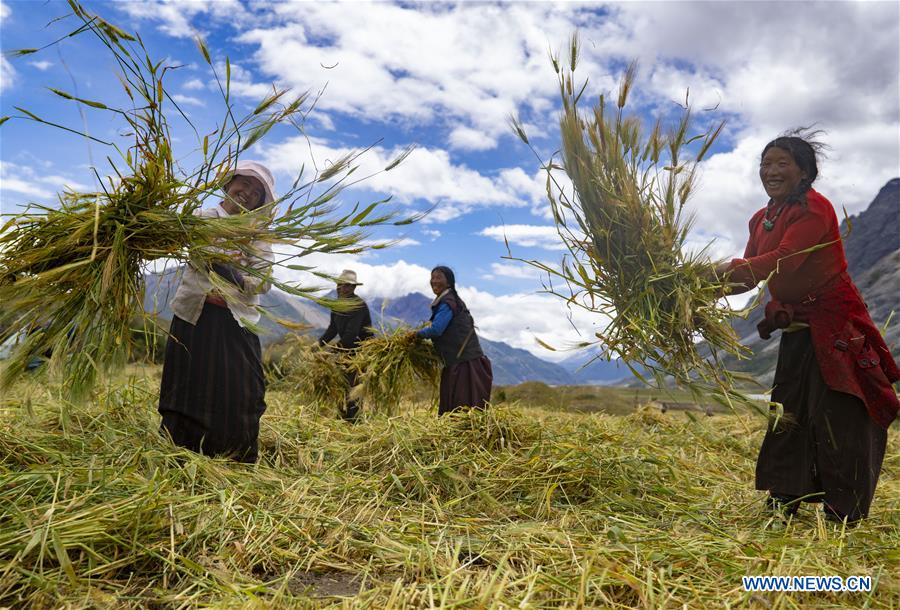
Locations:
column 255, row 169
column 348, row 277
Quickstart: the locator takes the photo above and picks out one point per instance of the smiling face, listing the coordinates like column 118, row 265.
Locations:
column 438, row 282
column 243, row 193
column 780, row 174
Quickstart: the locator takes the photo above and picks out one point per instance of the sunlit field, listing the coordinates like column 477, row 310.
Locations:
column 517, row 507
column 588, row 170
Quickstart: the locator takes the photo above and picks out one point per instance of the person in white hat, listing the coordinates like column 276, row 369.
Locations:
column 352, row 326
column 212, row 393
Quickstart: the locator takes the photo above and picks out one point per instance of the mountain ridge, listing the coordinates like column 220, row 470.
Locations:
column 872, row 248
column 511, row 365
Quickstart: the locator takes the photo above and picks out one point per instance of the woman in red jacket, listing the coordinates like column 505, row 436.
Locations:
column 834, row 371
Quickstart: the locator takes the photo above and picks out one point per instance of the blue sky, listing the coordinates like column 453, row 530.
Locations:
column 445, row 77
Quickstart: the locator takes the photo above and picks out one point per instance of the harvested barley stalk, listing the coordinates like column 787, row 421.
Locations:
column 509, row 507
column 314, row 374
column 72, row 276
column 392, row 365
column 625, row 228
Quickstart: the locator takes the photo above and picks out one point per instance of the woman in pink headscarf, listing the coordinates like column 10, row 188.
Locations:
column 212, row 393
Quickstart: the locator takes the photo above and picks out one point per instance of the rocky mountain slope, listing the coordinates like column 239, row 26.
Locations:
column 511, row 365
column 873, row 254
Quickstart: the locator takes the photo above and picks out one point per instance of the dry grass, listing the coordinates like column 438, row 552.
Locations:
column 611, row 400
column 625, row 228
column 506, row 508
column 392, row 366
column 388, row 369
column 312, row 374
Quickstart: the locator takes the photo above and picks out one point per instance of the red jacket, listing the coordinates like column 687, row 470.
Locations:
column 814, row 288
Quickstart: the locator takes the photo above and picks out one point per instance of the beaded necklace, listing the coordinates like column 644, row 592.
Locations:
column 769, row 223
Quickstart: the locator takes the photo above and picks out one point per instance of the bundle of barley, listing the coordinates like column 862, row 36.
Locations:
column 625, row 229
column 71, row 276
column 314, row 374
column 392, row 365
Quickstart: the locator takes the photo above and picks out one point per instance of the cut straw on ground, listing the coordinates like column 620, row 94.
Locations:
column 315, row 375
column 505, row 508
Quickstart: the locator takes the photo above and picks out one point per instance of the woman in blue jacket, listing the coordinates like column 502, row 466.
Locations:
column 466, row 378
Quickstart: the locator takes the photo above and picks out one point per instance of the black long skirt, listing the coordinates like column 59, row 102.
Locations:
column 827, row 448
column 466, row 384
column 213, row 389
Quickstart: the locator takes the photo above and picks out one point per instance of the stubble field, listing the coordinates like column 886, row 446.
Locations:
column 515, row 507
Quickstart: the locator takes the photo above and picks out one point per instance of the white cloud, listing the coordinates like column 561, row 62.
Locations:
column 862, row 158
column 242, row 82
column 714, row 247
column 7, row 74
column 463, row 68
column 679, row 85
column 466, row 138
column 427, row 174
column 432, row 233
column 320, row 119
column 469, row 65
column 187, row 99
column 403, row 242
column 41, row 65
column 386, row 280
column 515, row 271
column 18, row 185
column 33, row 184
column 527, row 236
column 455, row 72
column 542, row 316
column 728, row 192
column 444, row 212
column 766, row 63
column 532, row 188
column 176, row 16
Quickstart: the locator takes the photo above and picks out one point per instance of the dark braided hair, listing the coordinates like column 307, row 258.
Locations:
column 805, row 149
column 451, row 283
